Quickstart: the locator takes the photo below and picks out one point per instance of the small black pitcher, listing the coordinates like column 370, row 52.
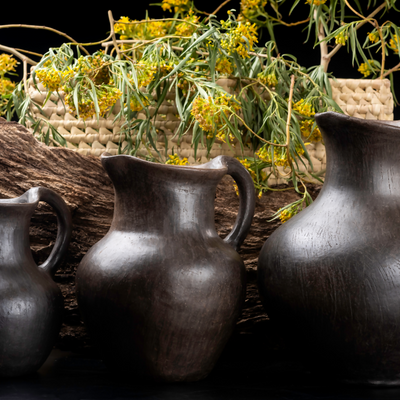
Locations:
column 31, row 303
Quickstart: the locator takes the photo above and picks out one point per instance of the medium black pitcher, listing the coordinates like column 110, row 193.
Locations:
column 161, row 292
column 30, row 301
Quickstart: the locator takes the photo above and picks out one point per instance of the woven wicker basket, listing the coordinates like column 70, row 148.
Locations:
column 368, row 99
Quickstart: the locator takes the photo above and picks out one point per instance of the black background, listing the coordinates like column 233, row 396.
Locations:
column 88, row 22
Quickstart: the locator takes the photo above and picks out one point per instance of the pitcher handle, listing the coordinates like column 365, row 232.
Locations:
column 247, row 201
column 64, row 222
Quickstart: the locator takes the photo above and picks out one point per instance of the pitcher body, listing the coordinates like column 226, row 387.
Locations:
column 161, row 292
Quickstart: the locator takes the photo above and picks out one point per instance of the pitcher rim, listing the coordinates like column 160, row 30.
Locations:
column 199, row 167
column 368, row 122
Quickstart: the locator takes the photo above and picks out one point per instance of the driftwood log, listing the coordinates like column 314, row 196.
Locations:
column 89, row 194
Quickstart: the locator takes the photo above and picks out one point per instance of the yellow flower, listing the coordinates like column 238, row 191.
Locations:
column 373, row 37
column 177, row 5
column 341, row 38
column 365, row 69
column 249, row 8
column 393, row 44
column 52, row 79
column 6, row 86
column 291, row 211
column 224, row 66
column 185, row 29
column 280, row 157
column 209, row 114
column 268, row 79
column 315, row 2
column 306, row 130
column 174, row 160
column 285, row 215
column 123, row 26
column 304, row 108
column 107, row 97
column 236, row 38
column 135, row 104
column 147, row 29
column 7, row 64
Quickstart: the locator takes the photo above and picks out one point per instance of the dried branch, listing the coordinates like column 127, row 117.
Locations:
column 217, row 9
column 17, row 54
column 46, row 28
column 112, row 33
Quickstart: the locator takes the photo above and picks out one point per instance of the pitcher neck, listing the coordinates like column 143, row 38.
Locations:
column 162, row 198
column 361, row 154
column 14, row 232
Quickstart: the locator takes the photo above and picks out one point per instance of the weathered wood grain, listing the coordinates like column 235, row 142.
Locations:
column 89, row 194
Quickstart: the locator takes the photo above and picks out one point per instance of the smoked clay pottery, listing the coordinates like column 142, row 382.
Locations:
column 330, row 276
column 161, row 292
column 31, row 303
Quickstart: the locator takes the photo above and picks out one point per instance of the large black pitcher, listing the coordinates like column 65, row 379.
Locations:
column 330, row 276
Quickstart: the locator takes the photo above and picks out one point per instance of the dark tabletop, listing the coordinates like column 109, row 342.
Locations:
column 241, row 373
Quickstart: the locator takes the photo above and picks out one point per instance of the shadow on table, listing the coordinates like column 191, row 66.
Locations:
column 249, row 368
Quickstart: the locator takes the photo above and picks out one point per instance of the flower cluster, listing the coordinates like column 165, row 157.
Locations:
column 289, row 212
column 279, row 154
column 366, row 69
column 267, row 79
column 185, row 29
column 316, row 2
column 373, row 36
column 209, row 114
column 239, row 39
column 394, row 43
column 304, row 108
column 145, row 73
column 107, row 96
column 53, row 79
column 341, row 38
column 176, row 5
column 7, row 64
column 306, row 129
column 251, row 167
column 135, row 103
column 95, row 67
column 250, row 8
column 147, row 29
column 6, row 86
column 224, row 66
column 175, row 160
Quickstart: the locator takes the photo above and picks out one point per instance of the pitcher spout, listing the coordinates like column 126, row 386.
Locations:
column 360, row 153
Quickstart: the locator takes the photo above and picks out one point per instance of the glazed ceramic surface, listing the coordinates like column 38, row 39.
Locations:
column 30, row 302
column 161, row 292
column 330, row 276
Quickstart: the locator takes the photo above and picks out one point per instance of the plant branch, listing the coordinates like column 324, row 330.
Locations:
column 147, row 21
column 112, row 33
column 46, row 28
column 17, row 54
column 290, row 23
column 96, row 43
column 389, row 71
column 29, row 52
column 217, row 9
column 323, row 45
column 365, row 20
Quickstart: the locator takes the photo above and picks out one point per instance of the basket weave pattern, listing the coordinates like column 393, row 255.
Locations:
column 368, row 99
